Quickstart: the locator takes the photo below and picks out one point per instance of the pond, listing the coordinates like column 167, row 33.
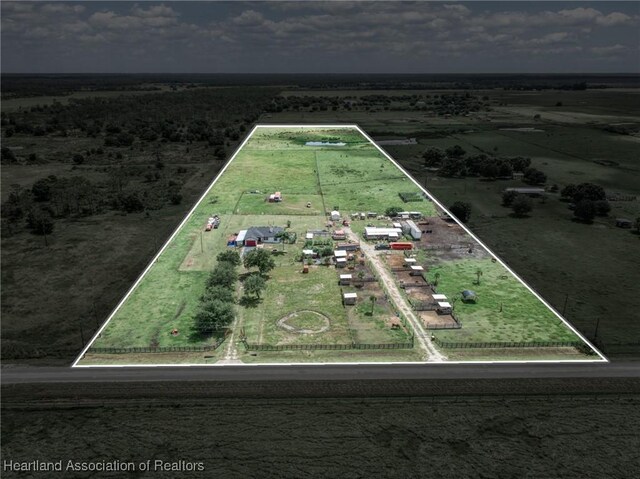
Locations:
column 324, row 143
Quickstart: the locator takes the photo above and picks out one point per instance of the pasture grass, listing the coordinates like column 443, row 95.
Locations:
column 523, row 316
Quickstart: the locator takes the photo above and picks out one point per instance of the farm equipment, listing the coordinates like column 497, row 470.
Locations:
column 212, row 223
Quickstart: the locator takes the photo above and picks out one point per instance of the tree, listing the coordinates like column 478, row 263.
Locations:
column 508, row 197
column 254, row 284
column 455, row 151
column 8, row 156
column 131, row 203
column 491, row 170
column 521, row 205
column 230, row 256
column 373, row 300
column 214, row 316
column 585, row 210
column 589, row 191
column 461, row 210
column 78, row 159
column 478, row 275
column 392, row 211
column 433, row 157
column 218, row 292
column 519, row 163
column 568, row 192
column 284, row 237
column 41, row 189
column 224, row 274
column 534, row 176
column 261, row 259
column 602, row 207
column 40, row 222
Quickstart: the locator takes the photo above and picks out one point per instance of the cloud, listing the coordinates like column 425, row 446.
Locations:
column 608, row 50
column 383, row 33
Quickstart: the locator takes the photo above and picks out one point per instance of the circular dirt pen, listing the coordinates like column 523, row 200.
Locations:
column 305, row 322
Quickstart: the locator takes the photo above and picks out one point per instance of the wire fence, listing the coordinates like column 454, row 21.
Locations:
column 327, row 347
column 506, row 344
column 163, row 349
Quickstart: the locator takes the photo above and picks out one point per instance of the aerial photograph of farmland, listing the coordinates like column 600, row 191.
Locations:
column 313, row 246
column 319, row 239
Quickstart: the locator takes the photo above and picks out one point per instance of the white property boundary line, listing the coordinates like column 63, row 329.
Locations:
column 386, row 155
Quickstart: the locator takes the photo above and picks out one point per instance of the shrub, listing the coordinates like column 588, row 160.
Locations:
column 461, row 210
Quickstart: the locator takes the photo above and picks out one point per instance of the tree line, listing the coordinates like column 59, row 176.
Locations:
column 216, row 309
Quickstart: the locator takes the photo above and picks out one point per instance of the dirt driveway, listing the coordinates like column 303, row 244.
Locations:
column 424, row 339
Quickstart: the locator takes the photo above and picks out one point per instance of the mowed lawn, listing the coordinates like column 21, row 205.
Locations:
column 523, row 316
column 344, row 166
column 205, row 246
column 288, row 291
column 374, row 196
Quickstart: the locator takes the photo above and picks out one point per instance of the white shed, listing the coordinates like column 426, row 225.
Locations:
column 345, row 279
column 241, row 236
column 444, row 307
column 439, row 297
column 340, row 253
column 350, row 298
column 416, row 270
column 335, row 215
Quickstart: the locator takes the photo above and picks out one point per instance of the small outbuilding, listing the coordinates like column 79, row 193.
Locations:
column 416, row 270
column 469, row 296
column 350, row 298
column 345, row 279
column 410, row 261
column 439, row 297
column 240, row 238
column 335, row 215
column 443, row 307
column 341, row 262
column 339, row 235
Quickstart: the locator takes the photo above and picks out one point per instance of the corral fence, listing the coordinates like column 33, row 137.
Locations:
column 327, row 347
column 507, row 344
column 454, row 325
column 423, row 305
column 424, row 284
column 357, row 281
column 159, row 349
column 621, row 198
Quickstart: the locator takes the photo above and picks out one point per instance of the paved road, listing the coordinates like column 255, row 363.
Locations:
column 25, row 375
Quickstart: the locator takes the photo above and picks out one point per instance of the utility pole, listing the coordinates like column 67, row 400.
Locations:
column 201, row 243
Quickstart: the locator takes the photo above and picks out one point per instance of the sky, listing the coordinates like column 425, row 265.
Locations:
column 320, row 37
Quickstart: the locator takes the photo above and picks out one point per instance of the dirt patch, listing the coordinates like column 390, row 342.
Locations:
column 433, row 319
column 448, row 240
column 305, row 322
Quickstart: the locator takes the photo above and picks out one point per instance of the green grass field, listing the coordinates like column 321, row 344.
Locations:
column 351, row 178
column 505, row 309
